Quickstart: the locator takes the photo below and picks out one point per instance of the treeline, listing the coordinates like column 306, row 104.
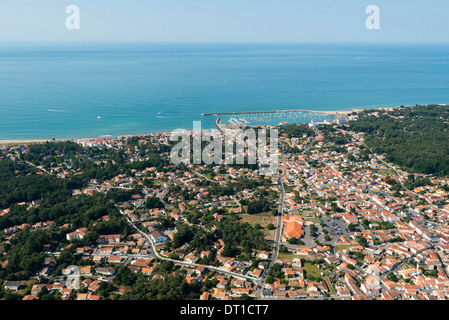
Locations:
column 19, row 183
column 62, row 208
column 296, row 130
column 416, row 138
column 241, row 235
column 25, row 252
column 238, row 238
column 47, row 149
column 94, row 163
column 258, row 206
column 171, row 288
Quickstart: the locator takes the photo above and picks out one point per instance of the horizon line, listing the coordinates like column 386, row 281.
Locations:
column 223, row 42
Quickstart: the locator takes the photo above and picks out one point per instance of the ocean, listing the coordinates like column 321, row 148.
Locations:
column 85, row 90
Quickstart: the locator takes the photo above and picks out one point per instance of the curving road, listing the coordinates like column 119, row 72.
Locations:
column 155, row 254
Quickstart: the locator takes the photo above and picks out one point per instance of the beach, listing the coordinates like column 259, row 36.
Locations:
column 27, row 141
column 13, row 142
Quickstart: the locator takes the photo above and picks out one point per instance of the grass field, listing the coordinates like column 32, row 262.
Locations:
column 341, row 247
column 312, row 269
column 264, row 219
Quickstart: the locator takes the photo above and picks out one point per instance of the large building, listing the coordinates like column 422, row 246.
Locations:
column 293, row 226
column 77, row 234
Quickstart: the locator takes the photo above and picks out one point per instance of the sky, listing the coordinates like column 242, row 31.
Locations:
column 225, row 20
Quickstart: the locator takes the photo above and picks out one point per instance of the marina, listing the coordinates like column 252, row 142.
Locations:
column 277, row 111
column 234, row 120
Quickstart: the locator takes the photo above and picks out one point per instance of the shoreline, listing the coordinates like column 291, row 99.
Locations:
column 14, row 142
column 331, row 112
column 29, row 141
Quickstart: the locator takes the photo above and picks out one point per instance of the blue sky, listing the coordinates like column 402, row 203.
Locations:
column 225, row 20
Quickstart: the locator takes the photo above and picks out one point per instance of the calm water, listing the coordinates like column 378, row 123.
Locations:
column 71, row 90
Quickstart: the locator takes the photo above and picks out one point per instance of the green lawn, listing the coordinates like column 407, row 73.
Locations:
column 342, row 247
column 313, row 220
column 287, row 256
column 312, row 269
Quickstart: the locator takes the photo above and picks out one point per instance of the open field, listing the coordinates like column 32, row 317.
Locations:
column 341, row 247
column 263, row 219
column 313, row 270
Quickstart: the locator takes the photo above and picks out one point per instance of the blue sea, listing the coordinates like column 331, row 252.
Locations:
column 81, row 90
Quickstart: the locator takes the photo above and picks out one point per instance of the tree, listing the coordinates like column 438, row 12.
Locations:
column 153, row 202
column 184, row 235
column 312, row 230
column 392, row 277
column 230, row 251
column 362, row 241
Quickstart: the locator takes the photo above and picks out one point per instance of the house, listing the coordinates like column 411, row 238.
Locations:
column 321, row 249
column 12, row 285
column 67, row 271
column 114, row 259
column 312, row 289
column 158, row 236
column 86, row 270
column 77, row 234
column 45, row 272
column 200, row 270
column 149, row 271
column 257, row 272
column 87, row 296
column 219, row 294
column 240, row 291
column 371, row 285
column 205, row 296
column 408, row 273
column 222, row 284
column 343, row 292
column 264, row 255
column 332, row 259
column 36, row 288
column 94, row 286
column 109, row 238
column 105, row 271
column 66, row 292
column 141, row 262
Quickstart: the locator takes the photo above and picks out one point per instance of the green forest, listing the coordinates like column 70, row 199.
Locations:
column 415, row 138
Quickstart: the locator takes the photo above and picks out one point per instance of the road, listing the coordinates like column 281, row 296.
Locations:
column 277, row 238
column 201, row 175
column 355, row 136
column 155, row 254
column 107, row 187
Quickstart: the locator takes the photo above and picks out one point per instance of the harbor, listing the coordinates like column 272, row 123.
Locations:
column 239, row 120
column 278, row 111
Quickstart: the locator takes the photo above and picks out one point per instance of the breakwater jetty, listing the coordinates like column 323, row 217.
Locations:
column 274, row 111
column 222, row 127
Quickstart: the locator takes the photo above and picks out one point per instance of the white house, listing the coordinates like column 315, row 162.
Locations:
column 158, row 236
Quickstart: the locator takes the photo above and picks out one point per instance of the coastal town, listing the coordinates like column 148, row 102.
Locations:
column 337, row 222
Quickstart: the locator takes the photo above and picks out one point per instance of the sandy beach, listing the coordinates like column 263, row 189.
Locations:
column 32, row 141
column 27, row 141
column 339, row 111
